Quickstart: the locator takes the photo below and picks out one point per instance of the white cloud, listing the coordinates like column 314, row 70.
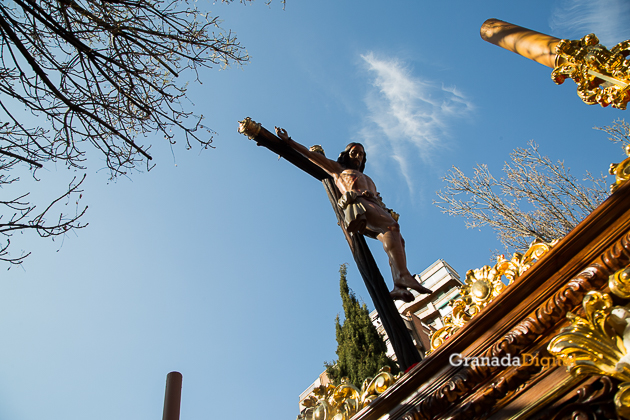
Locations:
column 608, row 19
column 407, row 115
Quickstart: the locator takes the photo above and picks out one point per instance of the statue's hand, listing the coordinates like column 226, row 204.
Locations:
column 282, row 133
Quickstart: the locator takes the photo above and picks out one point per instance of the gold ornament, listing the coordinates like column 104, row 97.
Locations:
column 249, row 127
column 328, row 402
column 318, row 149
column 597, row 344
column 620, row 170
column 482, row 285
column 602, row 76
column 520, row 263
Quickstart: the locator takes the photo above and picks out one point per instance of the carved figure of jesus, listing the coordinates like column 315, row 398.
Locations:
column 364, row 210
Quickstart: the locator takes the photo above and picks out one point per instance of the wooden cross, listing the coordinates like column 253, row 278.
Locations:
column 398, row 334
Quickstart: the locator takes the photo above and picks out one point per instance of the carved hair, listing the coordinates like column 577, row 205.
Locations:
column 344, row 157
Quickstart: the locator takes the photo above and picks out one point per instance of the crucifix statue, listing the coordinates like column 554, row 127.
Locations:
column 364, row 210
column 360, row 211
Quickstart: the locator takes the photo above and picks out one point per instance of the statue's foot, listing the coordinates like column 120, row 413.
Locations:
column 412, row 283
column 403, row 294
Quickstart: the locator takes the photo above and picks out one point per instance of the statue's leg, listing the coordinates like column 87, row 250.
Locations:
column 388, row 230
column 394, row 246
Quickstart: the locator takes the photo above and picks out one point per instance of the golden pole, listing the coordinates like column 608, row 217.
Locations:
column 530, row 44
column 602, row 76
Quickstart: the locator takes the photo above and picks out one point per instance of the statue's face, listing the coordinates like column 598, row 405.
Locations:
column 356, row 155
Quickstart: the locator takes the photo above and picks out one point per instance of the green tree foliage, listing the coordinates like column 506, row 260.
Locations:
column 360, row 348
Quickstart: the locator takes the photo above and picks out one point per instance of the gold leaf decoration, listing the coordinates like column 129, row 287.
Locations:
column 591, row 345
column 249, row 128
column 622, row 400
column 520, row 263
column 328, row 402
column 482, row 285
column 621, row 171
column 602, row 76
column 597, row 344
column 317, row 149
column 619, row 283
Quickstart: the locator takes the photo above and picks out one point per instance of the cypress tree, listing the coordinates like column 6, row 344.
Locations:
column 361, row 351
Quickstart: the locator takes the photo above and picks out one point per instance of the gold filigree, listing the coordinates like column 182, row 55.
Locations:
column 328, row 402
column 602, row 76
column 597, row 344
column 482, row 285
column 318, row 149
column 249, row 127
column 521, row 337
column 619, row 283
column 459, row 316
column 520, row 263
column 620, row 170
column 622, row 400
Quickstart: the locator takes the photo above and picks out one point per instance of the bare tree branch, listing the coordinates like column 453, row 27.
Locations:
column 618, row 132
column 537, row 198
column 102, row 74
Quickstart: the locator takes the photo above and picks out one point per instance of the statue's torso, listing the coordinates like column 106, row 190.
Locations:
column 354, row 180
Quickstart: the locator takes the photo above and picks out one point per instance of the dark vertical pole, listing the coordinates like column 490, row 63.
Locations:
column 172, row 396
column 394, row 325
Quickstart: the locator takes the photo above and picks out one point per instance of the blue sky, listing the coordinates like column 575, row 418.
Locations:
column 223, row 264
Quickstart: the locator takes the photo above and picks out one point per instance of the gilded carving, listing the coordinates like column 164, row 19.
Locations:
column 593, row 401
column 597, row 344
column 602, row 76
column 619, row 283
column 317, row 148
column 524, row 334
column 328, row 402
column 592, row 345
column 622, row 400
column 621, row 171
column 520, row 263
column 482, row 285
column 249, row 127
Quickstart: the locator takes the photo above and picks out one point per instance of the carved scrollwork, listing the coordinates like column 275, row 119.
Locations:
column 619, row 283
column 602, row 76
column 249, row 127
column 482, row 285
column 593, row 401
column 525, row 333
column 621, row 171
column 328, row 402
column 597, row 344
column 592, row 345
column 520, row 263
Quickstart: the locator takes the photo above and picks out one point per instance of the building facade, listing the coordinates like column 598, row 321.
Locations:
column 425, row 314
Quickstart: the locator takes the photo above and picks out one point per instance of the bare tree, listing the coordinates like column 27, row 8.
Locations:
column 618, row 132
column 101, row 74
column 537, row 198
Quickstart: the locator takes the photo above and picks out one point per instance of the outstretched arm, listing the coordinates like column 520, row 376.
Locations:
column 330, row 166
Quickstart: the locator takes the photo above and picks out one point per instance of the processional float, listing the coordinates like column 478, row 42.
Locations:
column 543, row 335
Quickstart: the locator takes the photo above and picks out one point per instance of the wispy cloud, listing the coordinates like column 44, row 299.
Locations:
column 608, row 19
column 407, row 115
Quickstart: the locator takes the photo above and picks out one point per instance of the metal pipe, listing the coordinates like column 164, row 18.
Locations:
column 530, row 44
column 172, row 396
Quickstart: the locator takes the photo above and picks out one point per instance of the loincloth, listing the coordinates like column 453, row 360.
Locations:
column 354, row 211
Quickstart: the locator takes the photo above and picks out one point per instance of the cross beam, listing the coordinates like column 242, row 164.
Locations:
column 395, row 327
